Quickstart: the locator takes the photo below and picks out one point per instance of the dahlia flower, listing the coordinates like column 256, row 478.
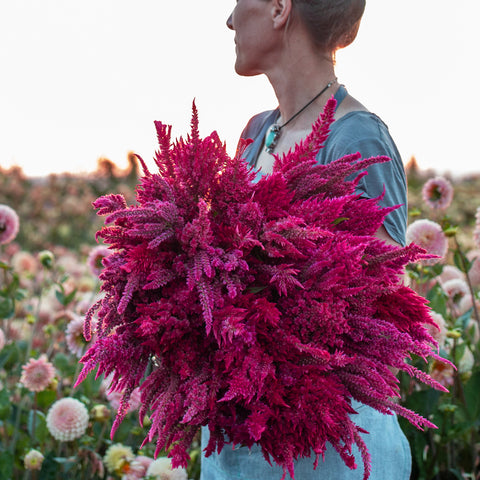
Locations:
column 2, row 340
column 33, row 460
column 476, row 232
column 428, row 235
column 161, row 469
column 439, row 330
column 437, row 193
column 9, row 224
column 115, row 398
column 67, row 419
column 261, row 309
column 37, row 374
column 118, row 457
column 474, row 272
column 74, row 338
column 95, row 258
column 456, row 289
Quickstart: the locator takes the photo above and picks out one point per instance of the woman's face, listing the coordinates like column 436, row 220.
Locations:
column 251, row 21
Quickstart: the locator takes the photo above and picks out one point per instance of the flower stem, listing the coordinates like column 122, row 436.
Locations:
column 469, row 282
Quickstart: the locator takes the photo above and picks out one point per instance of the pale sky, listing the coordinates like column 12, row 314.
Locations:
column 85, row 79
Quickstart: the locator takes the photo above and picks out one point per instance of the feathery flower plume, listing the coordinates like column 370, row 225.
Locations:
column 260, row 309
column 67, row 419
column 9, row 224
column 37, row 374
column 437, row 193
column 428, row 235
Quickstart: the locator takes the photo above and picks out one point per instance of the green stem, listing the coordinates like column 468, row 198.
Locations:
column 17, row 425
column 34, row 416
column 469, row 282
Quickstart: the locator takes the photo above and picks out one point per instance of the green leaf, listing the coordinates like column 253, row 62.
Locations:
column 5, row 405
column 6, row 464
column 40, row 432
column 461, row 261
column 437, row 299
column 46, row 398
column 339, row 220
column 7, row 307
column 472, row 398
column 50, row 468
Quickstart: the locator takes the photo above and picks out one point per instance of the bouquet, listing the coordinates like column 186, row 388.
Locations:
column 258, row 309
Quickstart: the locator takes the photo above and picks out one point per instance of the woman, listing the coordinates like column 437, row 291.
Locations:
column 293, row 42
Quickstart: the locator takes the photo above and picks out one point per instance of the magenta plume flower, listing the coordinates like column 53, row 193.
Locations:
column 437, row 193
column 37, row 374
column 261, row 309
column 67, row 419
column 9, row 224
column 428, row 235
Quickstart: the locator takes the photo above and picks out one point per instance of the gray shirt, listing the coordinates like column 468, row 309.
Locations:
column 357, row 131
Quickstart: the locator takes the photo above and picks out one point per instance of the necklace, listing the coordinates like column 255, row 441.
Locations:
column 276, row 129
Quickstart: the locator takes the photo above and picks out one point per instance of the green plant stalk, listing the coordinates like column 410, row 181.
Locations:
column 469, row 282
column 17, row 425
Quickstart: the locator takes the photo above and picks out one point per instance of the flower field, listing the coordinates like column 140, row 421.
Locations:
column 49, row 267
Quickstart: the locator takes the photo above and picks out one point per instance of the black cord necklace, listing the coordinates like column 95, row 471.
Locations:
column 276, row 129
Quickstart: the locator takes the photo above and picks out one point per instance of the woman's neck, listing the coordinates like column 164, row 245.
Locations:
column 298, row 83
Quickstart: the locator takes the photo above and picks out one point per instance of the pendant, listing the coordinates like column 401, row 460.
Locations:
column 272, row 138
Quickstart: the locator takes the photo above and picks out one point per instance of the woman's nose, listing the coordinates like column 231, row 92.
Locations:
column 229, row 22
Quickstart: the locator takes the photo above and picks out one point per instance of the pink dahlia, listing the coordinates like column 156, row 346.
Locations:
column 429, row 236
column 115, row 399
column 33, row 460
column 9, row 224
column 74, row 337
column 259, row 309
column 67, row 419
column 37, row 374
column 2, row 340
column 456, row 289
column 476, row 232
column 95, row 258
column 474, row 272
column 438, row 193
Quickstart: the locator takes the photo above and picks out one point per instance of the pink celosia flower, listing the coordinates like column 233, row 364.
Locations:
column 438, row 193
column 9, row 224
column 428, row 235
column 33, row 460
column 37, row 374
column 74, row 335
column 67, row 419
column 95, row 258
column 474, row 272
column 260, row 309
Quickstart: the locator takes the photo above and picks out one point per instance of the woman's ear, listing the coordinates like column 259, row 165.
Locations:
column 281, row 10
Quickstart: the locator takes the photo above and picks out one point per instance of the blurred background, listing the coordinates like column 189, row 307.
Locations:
column 85, row 80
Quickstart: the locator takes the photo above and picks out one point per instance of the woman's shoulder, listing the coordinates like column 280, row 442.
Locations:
column 258, row 123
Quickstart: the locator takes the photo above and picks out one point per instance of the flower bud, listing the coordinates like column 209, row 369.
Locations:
column 46, row 258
